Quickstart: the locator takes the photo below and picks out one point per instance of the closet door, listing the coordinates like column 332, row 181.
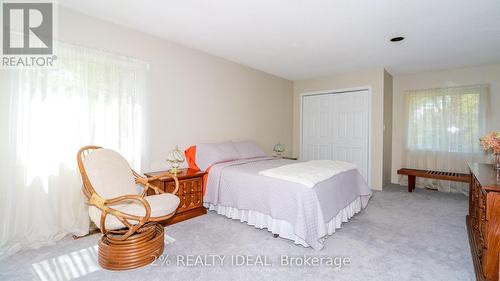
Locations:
column 336, row 126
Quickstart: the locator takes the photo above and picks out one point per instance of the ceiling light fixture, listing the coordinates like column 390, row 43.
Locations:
column 397, row 39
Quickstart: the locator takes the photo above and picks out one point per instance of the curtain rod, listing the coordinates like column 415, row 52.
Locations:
column 451, row 87
column 107, row 51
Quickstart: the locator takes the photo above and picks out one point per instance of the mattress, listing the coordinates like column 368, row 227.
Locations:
column 305, row 215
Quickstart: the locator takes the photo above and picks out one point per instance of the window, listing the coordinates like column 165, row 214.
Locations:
column 446, row 119
column 90, row 97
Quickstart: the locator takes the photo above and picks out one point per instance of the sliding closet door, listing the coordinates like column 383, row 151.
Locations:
column 336, row 126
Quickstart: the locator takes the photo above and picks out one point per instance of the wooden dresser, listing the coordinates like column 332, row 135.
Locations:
column 190, row 193
column 483, row 220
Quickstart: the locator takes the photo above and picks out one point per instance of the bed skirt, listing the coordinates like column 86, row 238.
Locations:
column 284, row 228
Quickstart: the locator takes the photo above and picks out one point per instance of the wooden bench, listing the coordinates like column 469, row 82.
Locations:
column 449, row 176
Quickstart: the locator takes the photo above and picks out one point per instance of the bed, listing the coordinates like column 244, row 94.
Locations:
column 304, row 215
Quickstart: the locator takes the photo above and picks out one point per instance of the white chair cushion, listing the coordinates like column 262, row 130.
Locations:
column 161, row 205
column 109, row 173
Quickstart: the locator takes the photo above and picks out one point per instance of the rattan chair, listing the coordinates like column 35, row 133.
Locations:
column 128, row 220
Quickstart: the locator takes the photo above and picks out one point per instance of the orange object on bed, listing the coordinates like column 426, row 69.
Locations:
column 191, row 159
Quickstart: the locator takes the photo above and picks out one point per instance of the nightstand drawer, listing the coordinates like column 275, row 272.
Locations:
column 189, row 201
column 190, row 193
column 187, row 186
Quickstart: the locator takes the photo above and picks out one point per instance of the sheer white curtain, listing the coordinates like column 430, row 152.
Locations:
column 444, row 126
column 91, row 97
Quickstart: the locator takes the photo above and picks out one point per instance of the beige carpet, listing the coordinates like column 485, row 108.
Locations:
column 400, row 236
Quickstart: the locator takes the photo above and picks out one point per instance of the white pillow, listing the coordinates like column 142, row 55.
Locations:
column 248, row 149
column 208, row 154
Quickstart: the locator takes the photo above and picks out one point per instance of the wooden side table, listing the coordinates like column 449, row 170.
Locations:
column 190, row 193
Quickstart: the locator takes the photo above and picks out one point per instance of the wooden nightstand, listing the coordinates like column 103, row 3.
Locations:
column 190, row 193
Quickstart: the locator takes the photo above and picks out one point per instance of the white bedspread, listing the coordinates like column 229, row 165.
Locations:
column 309, row 173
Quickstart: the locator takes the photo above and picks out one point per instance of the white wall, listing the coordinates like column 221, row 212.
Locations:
column 195, row 97
column 388, row 93
column 373, row 78
column 464, row 76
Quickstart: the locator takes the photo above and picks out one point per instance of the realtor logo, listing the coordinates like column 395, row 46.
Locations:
column 27, row 34
column 27, row 28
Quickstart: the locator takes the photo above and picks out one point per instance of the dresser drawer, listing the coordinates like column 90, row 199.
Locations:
column 483, row 221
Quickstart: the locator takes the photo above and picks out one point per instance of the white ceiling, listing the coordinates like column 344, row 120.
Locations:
column 302, row 39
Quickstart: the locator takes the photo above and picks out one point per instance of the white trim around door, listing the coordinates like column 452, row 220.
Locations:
column 340, row 91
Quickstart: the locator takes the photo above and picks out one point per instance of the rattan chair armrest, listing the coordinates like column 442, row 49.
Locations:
column 104, row 206
column 146, row 182
column 128, row 197
column 160, row 176
column 176, row 180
